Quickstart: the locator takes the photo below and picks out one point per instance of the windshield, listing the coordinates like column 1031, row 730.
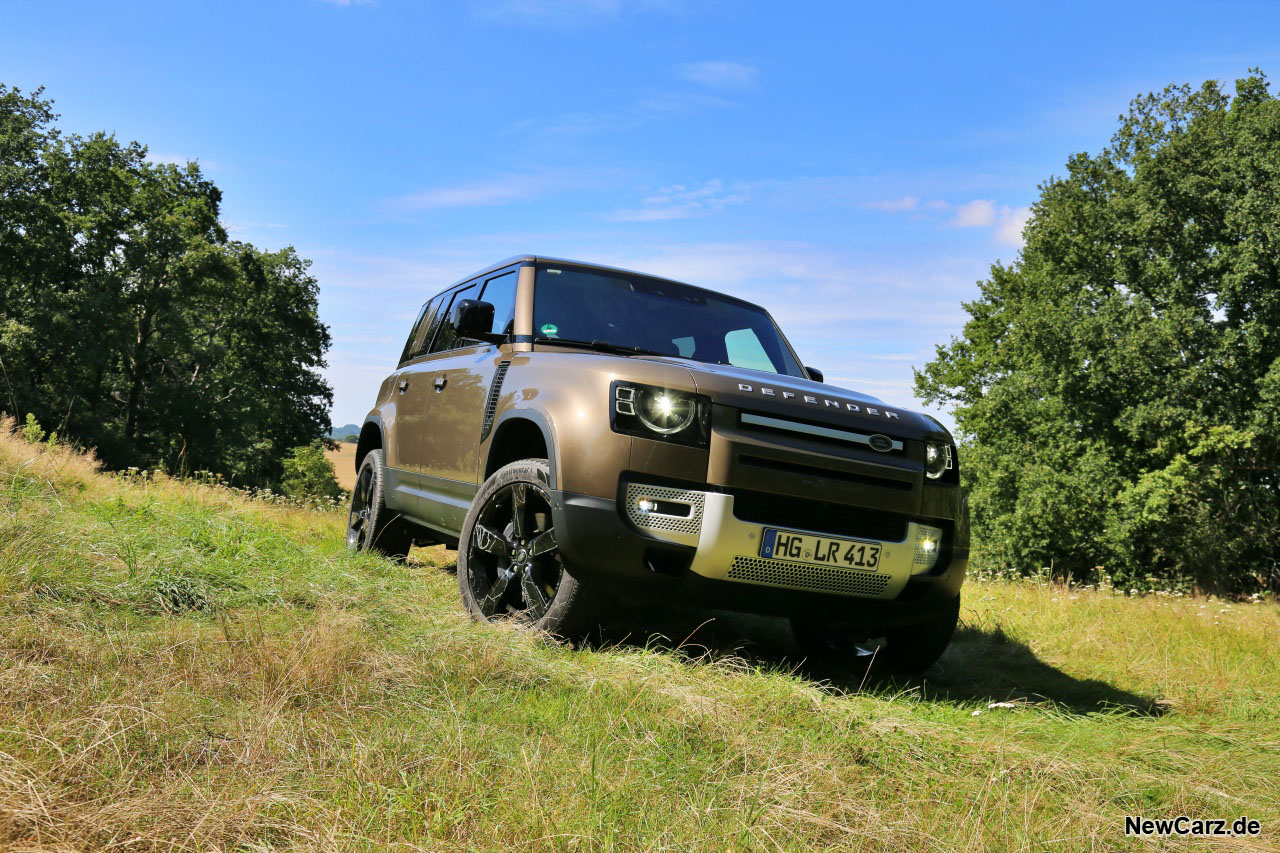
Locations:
column 633, row 311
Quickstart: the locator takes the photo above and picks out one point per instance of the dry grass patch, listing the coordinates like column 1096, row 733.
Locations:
column 185, row 669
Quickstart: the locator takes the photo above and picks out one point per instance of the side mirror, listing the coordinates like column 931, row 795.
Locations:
column 473, row 319
column 814, row 373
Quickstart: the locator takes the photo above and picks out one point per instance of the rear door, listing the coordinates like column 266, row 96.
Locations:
column 411, row 391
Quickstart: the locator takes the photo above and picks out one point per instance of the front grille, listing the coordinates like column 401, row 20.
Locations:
column 825, row 473
column 801, row 576
column 818, row 516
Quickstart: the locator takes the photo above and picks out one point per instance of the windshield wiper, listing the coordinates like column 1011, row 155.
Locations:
column 601, row 346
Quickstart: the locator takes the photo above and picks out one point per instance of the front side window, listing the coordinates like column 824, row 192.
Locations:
column 500, row 292
column 447, row 336
column 627, row 310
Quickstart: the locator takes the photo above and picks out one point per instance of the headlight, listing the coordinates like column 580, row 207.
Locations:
column 660, row 413
column 937, row 459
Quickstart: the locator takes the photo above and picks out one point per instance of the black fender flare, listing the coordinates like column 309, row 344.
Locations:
column 539, row 420
column 365, row 444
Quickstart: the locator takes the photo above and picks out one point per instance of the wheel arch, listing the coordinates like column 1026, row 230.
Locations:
column 370, row 439
column 522, row 434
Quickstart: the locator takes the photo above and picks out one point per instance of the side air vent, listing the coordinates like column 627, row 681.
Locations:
column 491, row 404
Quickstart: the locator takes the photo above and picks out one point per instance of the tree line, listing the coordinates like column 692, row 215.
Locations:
column 133, row 324
column 1117, row 387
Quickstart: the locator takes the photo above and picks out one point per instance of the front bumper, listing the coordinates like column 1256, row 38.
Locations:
column 728, row 548
column 710, row 557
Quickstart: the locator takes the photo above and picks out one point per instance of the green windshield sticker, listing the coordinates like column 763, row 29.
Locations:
column 549, row 330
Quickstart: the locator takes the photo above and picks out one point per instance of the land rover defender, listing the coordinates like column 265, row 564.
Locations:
column 582, row 433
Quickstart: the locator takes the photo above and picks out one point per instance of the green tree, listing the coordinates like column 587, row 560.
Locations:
column 1118, row 386
column 131, row 321
column 308, row 474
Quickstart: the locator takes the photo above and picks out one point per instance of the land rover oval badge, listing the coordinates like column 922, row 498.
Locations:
column 880, row 442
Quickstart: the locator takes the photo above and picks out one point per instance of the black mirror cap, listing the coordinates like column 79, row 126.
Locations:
column 814, row 373
column 473, row 319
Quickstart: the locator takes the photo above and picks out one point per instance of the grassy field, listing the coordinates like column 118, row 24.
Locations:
column 182, row 669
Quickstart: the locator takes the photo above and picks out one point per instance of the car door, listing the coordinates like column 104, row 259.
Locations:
column 411, row 391
column 464, row 371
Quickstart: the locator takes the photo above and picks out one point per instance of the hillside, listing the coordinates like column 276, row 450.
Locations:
column 181, row 668
column 341, row 432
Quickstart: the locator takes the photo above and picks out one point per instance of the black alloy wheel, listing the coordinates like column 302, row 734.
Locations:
column 510, row 563
column 371, row 524
column 514, row 561
column 359, row 526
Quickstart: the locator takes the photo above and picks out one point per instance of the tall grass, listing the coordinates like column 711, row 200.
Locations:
column 184, row 668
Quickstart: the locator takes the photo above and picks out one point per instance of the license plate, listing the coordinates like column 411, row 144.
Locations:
column 819, row 550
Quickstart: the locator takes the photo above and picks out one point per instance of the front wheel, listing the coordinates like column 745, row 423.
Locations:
column 509, row 561
column 906, row 651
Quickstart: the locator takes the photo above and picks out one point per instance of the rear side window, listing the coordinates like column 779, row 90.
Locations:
column 500, row 292
column 424, row 329
column 446, row 337
column 414, row 333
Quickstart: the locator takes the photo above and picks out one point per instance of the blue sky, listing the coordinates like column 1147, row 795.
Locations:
column 854, row 167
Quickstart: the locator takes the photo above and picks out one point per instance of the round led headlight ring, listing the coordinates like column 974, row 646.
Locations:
column 936, row 459
column 666, row 412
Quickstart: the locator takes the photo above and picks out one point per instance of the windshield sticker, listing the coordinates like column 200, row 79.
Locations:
column 549, row 330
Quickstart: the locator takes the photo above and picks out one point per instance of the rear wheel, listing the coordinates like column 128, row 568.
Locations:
column 509, row 561
column 371, row 525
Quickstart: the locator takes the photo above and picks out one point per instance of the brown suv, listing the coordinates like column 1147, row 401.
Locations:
column 581, row 433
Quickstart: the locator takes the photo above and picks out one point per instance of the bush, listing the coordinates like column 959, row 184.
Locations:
column 32, row 431
column 308, row 474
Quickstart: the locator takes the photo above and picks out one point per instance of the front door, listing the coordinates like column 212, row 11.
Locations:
column 461, row 386
column 462, row 373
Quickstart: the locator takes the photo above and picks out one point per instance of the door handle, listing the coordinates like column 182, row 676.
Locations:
column 404, row 385
column 440, row 383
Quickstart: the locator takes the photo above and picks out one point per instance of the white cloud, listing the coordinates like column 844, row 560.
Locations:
column 681, row 202
column 496, row 191
column 975, row 214
column 561, row 12
column 719, row 74
column 1012, row 221
column 895, row 205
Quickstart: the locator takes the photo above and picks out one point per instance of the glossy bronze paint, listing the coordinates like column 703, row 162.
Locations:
column 568, row 389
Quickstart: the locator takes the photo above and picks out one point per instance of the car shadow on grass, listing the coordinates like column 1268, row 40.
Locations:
column 980, row 667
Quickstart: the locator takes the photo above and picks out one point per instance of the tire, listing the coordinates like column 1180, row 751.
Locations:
column 509, row 561
column 371, row 524
column 910, row 651
column 906, row 651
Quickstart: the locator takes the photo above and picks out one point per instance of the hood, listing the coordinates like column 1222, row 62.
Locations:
column 803, row 399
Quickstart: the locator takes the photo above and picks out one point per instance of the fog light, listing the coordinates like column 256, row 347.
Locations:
column 928, row 544
column 646, row 505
